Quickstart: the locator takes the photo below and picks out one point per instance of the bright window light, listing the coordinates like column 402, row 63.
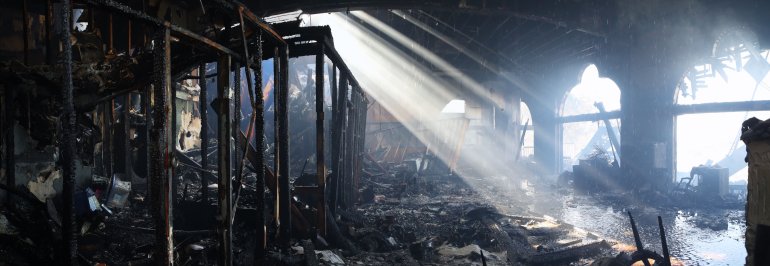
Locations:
column 454, row 107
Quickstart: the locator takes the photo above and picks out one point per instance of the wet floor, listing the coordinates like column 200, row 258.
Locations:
column 695, row 236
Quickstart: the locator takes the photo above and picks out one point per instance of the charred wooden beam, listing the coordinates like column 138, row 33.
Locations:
column 160, row 150
column 204, row 133
column 236, row 124
column 67, row 156
column 127, row 141
column 516, row 251
column 335, row 139
column 224, row 163
column 320, row 151
column 284, row 165
column 259, row 159
column 568, row 254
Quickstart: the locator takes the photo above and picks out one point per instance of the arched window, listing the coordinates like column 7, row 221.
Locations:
column 583, row 112
column 712, row 100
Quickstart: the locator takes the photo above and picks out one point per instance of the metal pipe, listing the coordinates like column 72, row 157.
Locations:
column 320, row 153
column 637, row 239
column 259, row 132
column 224, row 163
column 160, row 150
column 203, row 105
column 283, row 154
column 69, row 222
column 664, row 243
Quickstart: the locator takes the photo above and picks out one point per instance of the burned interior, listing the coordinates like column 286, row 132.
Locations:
column 370, row 132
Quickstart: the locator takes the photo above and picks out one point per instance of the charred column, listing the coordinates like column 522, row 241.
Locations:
column 276, row 149
column 284, row 199
column 259, row 132
column 204, row 134
column 319, row 126
column 159, row 149
column 67, row 156
column 224, row 156
column 258, row 124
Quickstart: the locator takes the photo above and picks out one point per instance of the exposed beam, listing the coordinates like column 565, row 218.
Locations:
column 722, row 107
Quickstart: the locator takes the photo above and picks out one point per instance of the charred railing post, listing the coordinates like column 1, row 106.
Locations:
column 283, row 153
column 362, row 109
column 276, row 143
column 224, row 154
column 203, row 105
column 335, row 141
column 320, row 156
column 127, row 141
column 259, row 133
column 160, row 150
column 67, row 156
column 348, row 144
column 340, row 124
column 236, row 131
column 257, row 124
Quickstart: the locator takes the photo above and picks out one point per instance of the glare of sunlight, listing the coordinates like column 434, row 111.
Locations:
column 454, row 107
column 713, row 138
column 584, row 136
column 409, row 89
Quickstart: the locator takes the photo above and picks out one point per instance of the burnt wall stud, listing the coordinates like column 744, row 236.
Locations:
column 320, row 158
column 283, row 146
column 224, row 156
column 67, row 156
column 160, row 150
column 259, row 132
column 236, row 131
column 204, row 134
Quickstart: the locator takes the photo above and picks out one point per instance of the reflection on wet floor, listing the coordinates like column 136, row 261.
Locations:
column 695, row 236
